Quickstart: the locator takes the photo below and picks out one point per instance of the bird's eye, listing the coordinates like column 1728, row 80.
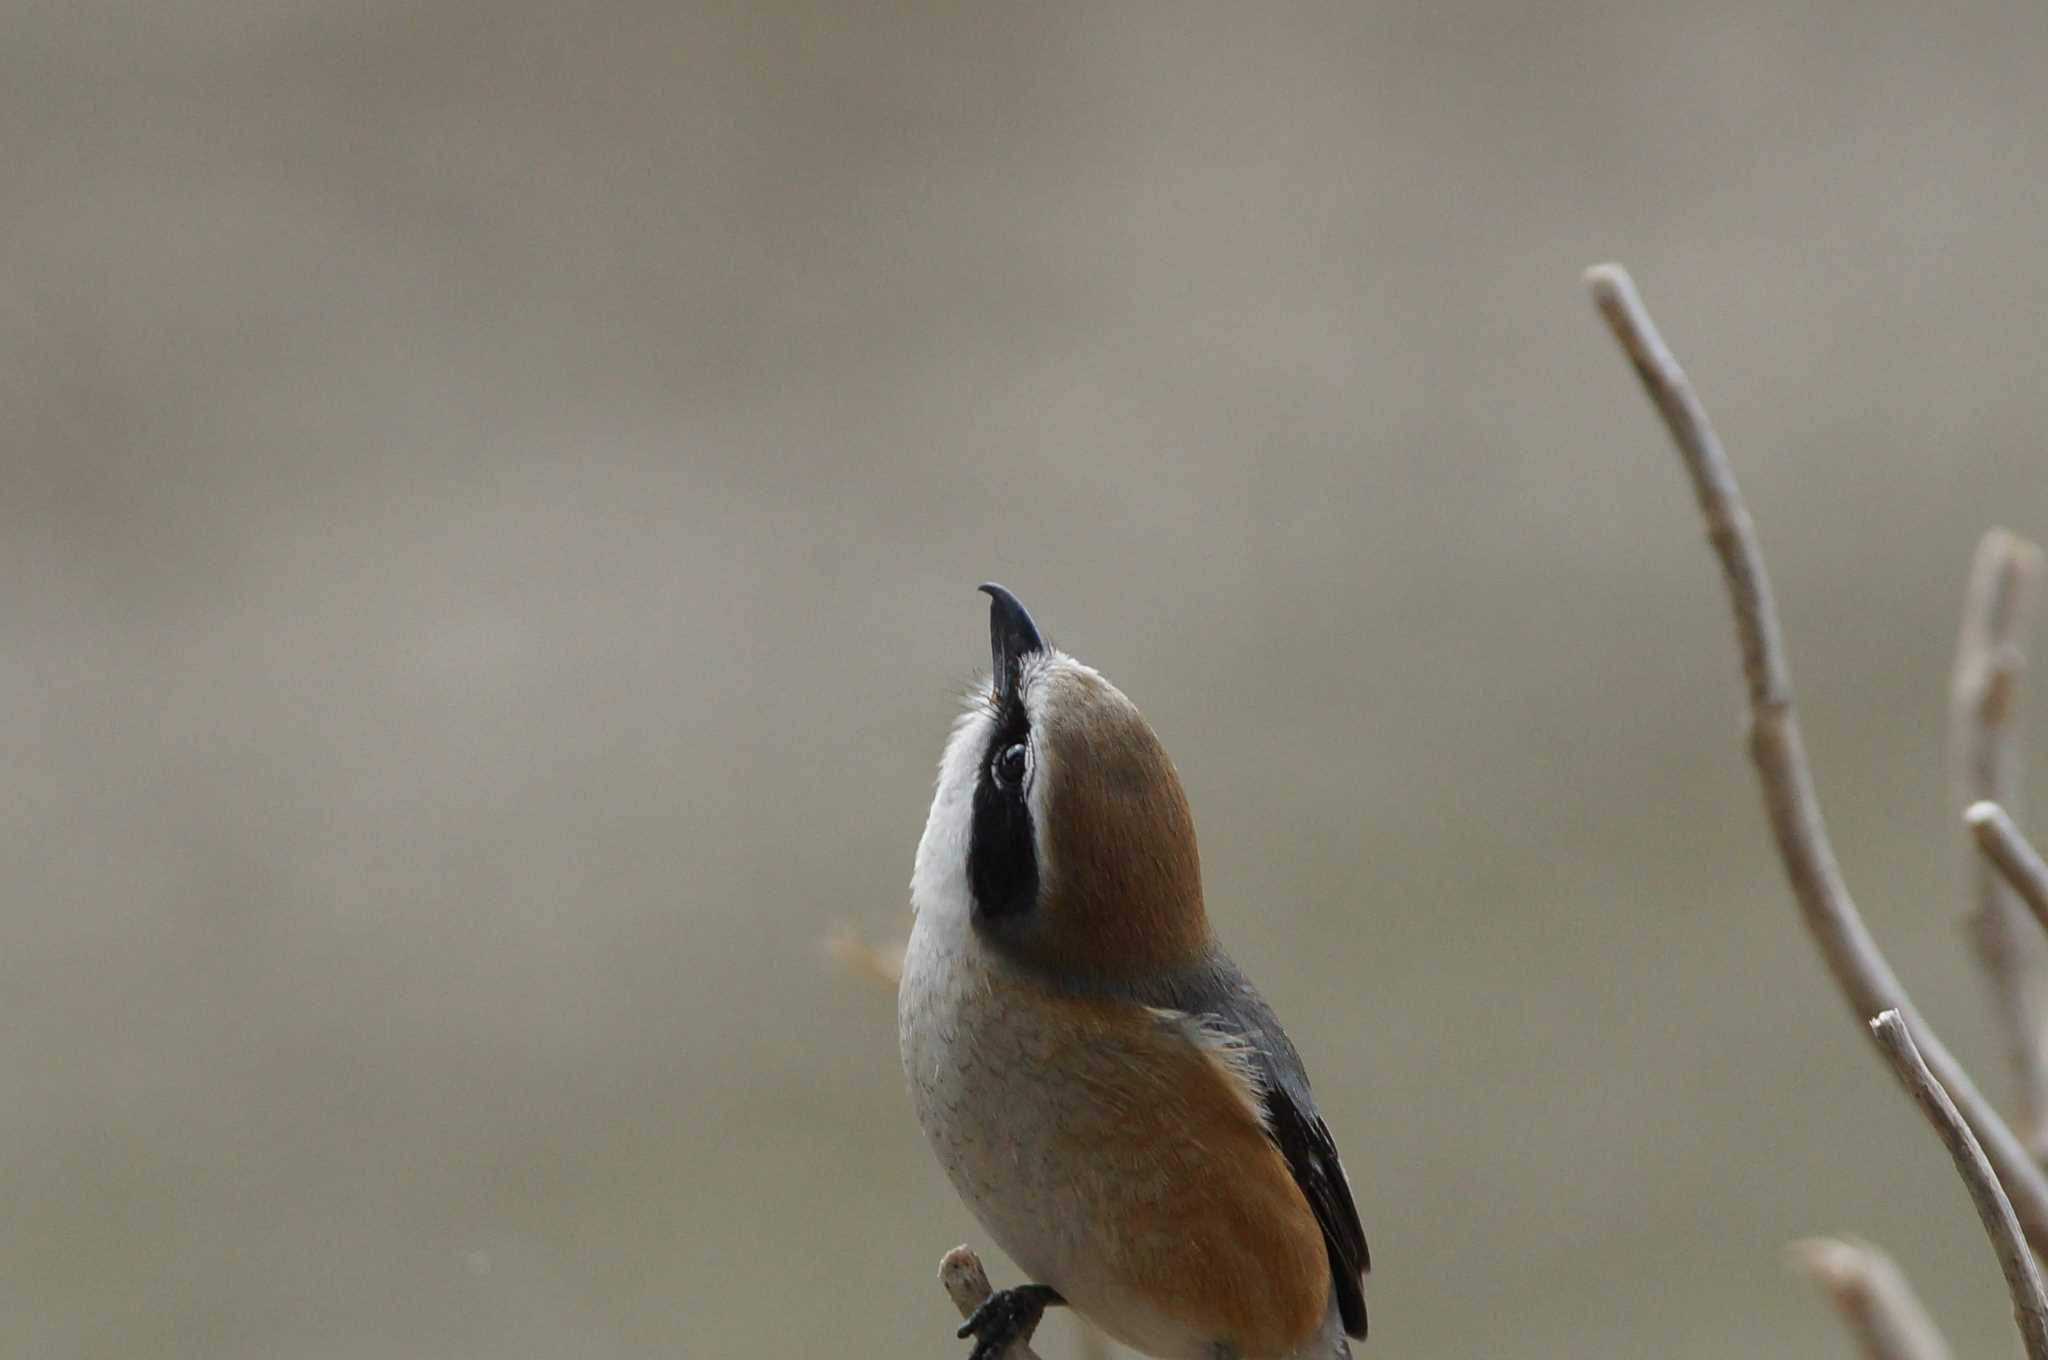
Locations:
column 1009, row 765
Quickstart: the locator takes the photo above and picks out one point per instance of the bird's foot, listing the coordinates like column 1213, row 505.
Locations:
column 1007, row 1317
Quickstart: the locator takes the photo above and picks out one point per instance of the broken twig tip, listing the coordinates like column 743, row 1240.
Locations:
column 1606, row 277
column 2023, row 553
column 966, row 1283
column 1983, row 813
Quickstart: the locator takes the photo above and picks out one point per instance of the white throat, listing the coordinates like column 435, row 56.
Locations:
column 938, row 879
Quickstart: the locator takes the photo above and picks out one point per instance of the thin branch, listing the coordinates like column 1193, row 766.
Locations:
column 2014, row 857
column 880, row 965
column 966, row 1283
column 1870, row 1292
column 2022, row 1274
column 1845, row 943
column 1991, row 656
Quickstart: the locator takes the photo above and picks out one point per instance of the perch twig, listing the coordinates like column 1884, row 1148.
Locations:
column 966, row 1283
column 1852, row 956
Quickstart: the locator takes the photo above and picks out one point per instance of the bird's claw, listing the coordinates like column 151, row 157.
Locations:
column 1005, row 1318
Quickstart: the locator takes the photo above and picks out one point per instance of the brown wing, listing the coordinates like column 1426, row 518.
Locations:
column 1197, row 1213
column 1220, row 993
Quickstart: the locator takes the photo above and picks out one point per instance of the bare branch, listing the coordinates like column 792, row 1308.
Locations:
column 881, row 966
column 1991, row 656
column 966, row 1283
column 1852, row 956
column 2012, row 855
column 2022, row 1274
column 1870, row 1292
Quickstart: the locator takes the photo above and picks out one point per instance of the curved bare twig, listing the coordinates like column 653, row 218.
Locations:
column 1870, row 1292
column 2009, row 851
column 1991, row 657
column 1852, row 956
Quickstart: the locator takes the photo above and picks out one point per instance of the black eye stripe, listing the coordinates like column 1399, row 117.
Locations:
column 1002, row 856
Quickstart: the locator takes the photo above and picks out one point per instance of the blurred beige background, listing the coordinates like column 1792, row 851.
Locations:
column 491, row 506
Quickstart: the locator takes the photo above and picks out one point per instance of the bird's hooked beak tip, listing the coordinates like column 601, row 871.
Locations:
column 1012, row 636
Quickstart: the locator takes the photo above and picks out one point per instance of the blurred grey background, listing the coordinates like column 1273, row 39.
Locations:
column 492, row 502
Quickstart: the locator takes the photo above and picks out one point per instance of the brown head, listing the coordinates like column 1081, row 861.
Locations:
column 1059, row 824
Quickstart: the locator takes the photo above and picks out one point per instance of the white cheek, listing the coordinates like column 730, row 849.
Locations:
column 938, row 882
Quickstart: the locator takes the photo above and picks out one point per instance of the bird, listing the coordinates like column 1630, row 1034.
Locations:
column 1107, row 1091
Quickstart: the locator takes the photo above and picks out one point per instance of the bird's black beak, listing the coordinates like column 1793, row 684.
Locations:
column 1012, row 636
